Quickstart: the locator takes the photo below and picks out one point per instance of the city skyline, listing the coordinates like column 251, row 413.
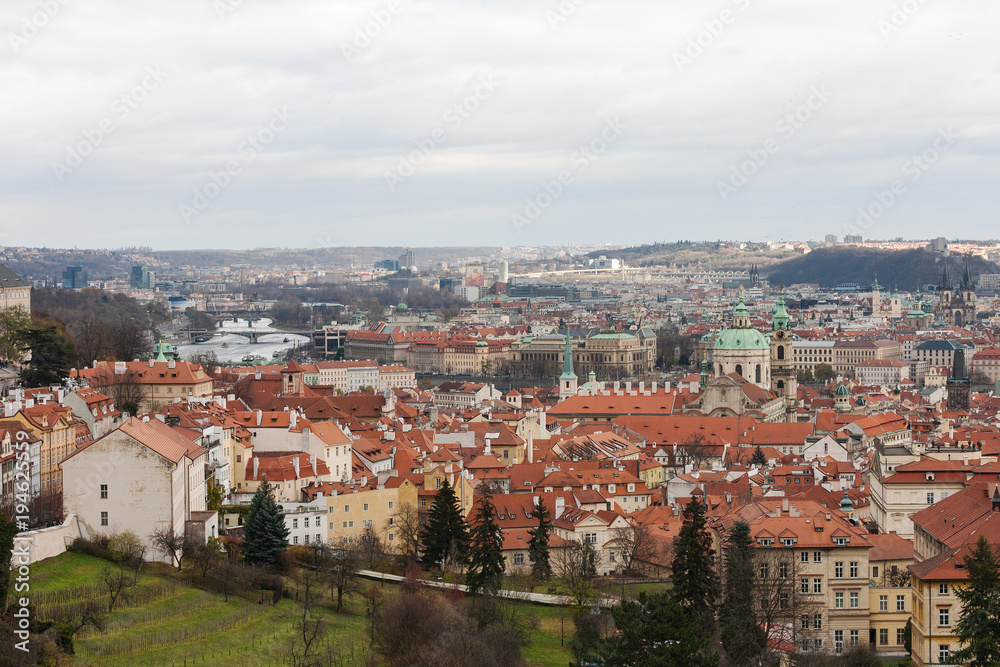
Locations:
column 528, row 124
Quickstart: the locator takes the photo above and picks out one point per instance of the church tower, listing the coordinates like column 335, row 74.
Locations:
column 568, row 379
column 784, row 381
column 876, row 298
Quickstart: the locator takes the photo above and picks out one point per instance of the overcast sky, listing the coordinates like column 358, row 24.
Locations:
column 248, row 123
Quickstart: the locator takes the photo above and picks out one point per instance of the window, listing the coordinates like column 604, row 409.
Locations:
column 764, row 570
column 305, row 522
column 345, row 524
column 838, row 640
column 854, row 570
column 875, row 572
column 365, row 508
column 854, row 637
column 855, row 601
column 930, row 498
column 295, row 539
column 841, row 541
column 805, row 585
column 818, row 622
column 817, row 586
column 838, row 570
column 805, row 621
column 838, row 601
column 295, row 523
column 518, row 559
column 782, row 570
column 900, row 603
column 390, row 504
column 765, row 541
column 883, row 636
column 943, row 589
column 817, row 556
column 944, row 653
column 788, row 542
column 104, row 518
column 883, row 603
column 900, row 636
column 804, row 557
column 944, row 616
column 104, row 491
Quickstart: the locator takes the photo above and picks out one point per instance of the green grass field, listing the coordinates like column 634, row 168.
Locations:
column 173, row 623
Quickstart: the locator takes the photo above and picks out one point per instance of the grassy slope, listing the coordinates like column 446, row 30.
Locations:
column 259, row 640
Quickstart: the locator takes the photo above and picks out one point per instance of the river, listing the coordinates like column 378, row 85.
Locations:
column 232, row 347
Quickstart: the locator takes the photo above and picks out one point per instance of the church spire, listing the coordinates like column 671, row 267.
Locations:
column 945, row 278
column 568, row 373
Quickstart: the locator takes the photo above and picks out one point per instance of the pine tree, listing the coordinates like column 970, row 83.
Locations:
column 758, row 459
column 742, row 637
column 264, row 532
column 538, row 543
column 696, row 584
column 656, row 630
column 486, row 561
column 446, row 536
column 978, row 626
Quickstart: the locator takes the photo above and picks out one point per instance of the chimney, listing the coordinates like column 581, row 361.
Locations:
column 295, row 463
column 560, row 506
column 364, row 480
column 292, row 418
column 30, row 403
column 529, row 443
column 542, row 429
column 312, row 462
column 260, row 416
column 120, row 367
column 618, row 386
column 652, row 387
column 256, row 466
column 172, row 364
column 145, row 419
column 151, row 362
column 784, row 505
column 642, row 387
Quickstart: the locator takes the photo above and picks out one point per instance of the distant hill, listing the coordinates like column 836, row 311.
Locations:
column 905, row 269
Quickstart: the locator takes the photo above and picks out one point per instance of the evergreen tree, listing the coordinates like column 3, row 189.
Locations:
column 758, row 459
column 978, row 625
column 52, row 355
column 446, row 536
column 486, row 561
column 696, row 584
column 657, row 630
column 264, row 532
column 742, row 636
column 538, row 543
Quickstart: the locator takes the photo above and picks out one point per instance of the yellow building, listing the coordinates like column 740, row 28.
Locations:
column 936, row 609
column 15, row 292
column 351, row 508
column 159, row 382
column 53, row 424
column 889, row 595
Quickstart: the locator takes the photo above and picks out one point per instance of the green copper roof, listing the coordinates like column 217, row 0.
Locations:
column 741, row 339
column 781, row 316
column 740, row 309
column 568, row 373
column 846, row 504
column 610, row 336
column 842, row 390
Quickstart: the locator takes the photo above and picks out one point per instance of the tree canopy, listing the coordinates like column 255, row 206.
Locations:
column 264, row 531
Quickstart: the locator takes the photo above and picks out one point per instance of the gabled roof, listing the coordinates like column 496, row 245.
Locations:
column 157, row 436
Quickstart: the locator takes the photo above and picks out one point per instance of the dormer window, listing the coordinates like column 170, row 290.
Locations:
column 788, row 541
column 841, row 541
column 765, row 541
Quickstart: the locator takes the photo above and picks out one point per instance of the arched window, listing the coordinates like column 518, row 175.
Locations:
column 758, row 374
column 739, row 369
column 781, row 384
column 781, row 352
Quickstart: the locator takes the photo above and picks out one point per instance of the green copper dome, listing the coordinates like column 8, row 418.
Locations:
column 781, row 318
column 741, row 339
column 842, row 390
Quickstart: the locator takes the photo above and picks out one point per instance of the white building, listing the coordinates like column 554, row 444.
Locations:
column 396, row 377
column 306, row 521
column 882, row 372
column 141, row 477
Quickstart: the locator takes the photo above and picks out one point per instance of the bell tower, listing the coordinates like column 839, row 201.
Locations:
column 784, row 381
column 568, row 379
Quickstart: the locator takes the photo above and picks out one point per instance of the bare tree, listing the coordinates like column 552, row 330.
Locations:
column 129, row 340
column 407, row 523
column 115, row 581
column 371, row 548
column 785, row 613
column 633, row 543
column 696, row 451
column 171, row 544
column 125, row 389
column 576, row 569
column 344, row 565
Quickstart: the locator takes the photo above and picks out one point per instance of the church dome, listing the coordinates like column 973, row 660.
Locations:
column 842, row 390
column 741, row 339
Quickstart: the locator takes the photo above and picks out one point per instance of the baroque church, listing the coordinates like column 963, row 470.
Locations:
column 751, row 373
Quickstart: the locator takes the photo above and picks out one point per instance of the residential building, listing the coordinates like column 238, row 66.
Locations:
column 143, row 476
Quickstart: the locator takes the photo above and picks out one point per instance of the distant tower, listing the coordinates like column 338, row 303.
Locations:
column 504, row 276
column 567, row 381
column 959, row 385
column 754, row 276
column 876, row 298
column 784, row 381
column 957, row 307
